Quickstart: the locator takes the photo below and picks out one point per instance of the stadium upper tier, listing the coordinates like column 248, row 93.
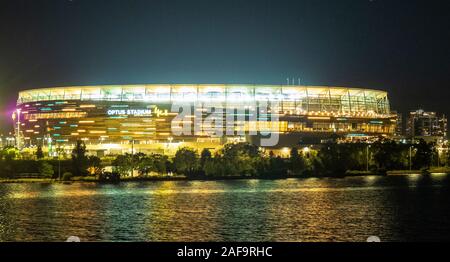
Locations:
column 305, row 98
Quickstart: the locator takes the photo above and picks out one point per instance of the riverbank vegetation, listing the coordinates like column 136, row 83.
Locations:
column 240, row 160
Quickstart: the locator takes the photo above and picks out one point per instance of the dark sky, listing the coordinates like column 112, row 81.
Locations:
column 396, row 45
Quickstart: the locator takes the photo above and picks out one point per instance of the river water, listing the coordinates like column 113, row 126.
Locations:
column 397, row 208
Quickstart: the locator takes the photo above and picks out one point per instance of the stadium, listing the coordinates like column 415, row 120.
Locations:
column 139, row 118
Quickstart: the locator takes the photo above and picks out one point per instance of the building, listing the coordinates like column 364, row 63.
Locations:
column 426, row 125
column 128, row 118
column 399, row 125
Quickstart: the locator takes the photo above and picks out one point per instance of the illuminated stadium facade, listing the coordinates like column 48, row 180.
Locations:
column 118, row 119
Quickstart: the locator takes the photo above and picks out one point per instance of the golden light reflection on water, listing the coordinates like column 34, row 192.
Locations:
column 371, row 180
column 326, row 209
column 413, row 178
column 165, row 220
column 319, row 211
column 84, row 193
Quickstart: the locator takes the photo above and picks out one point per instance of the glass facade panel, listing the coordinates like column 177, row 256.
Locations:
column 298, row 99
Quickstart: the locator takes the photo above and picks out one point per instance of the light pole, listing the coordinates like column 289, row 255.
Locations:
column 438, row 158
column 58, row 152
column 169, row 143
column 410, row 158
column 132, row 157
column 59, row 167
column 367, row 158
column 17, row 114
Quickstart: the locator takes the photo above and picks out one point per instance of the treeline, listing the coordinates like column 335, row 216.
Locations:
column 233, row 160
column 246, row 160
column 12, row 164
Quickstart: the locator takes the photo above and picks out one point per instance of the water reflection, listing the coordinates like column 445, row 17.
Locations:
column 397, row 208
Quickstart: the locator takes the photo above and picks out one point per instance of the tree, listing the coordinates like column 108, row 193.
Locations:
column 186, row 161
column 94, row 165
column 205, row 156
column 296, row 162
column 436, row 158
column 67, row 176
column 39, row 152
column 332, row 160
column 240, row 159
column 153, row 163
column 389, row 155
column 422, row 158
column 358, row 155
column 213, row 167
column 79, row 159
column 9, row 153
column 277, row 167
column 46, row 170
column 160, row 163
column 136, row 158
column 145, row 166
column 448, row 154
column 123, row 164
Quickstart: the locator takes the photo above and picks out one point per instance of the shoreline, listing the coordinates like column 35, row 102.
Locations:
column 228, row 178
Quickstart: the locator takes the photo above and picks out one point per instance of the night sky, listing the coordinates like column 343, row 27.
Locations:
column 396, row 45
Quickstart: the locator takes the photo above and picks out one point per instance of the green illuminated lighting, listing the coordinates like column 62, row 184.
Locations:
column 356, row 135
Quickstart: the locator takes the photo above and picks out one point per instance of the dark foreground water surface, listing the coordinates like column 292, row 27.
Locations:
column 401, row 208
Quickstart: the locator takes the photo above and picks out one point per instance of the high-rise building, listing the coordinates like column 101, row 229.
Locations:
column 399, row 124
column 426, row 125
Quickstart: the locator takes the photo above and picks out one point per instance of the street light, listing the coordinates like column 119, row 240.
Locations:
column 367, row 158
column 410, row 158
column 306, row 151
column 169, row 144
column 14, row 116
column 58, row 154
